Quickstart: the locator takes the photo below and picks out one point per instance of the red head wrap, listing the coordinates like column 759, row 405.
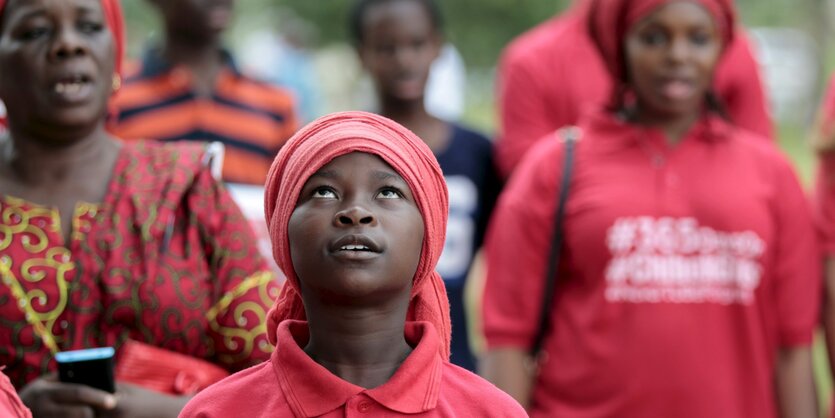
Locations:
column 338, row 134
column 112, row 11
column 610, row 20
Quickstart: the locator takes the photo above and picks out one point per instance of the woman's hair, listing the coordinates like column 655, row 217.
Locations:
column 361, row 7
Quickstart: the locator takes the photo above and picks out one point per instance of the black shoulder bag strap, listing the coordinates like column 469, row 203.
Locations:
column 569, row 137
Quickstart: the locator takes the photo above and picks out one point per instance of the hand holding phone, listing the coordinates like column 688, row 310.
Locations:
column 92, row 367
column 49, row 398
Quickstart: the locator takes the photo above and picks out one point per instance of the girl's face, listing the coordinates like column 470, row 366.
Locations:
column 58, row 59
column 356, row 234
column 670, row 58
column 398, row 47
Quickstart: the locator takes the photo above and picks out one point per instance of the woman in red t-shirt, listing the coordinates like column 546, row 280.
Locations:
column 689, row 278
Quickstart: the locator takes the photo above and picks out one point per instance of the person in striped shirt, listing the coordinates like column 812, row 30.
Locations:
column 189, row 88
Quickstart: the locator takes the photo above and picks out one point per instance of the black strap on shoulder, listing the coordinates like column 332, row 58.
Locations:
column 569, row 137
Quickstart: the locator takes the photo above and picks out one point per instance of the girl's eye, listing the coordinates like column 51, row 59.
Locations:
column 386, row 49
column 390, row 193
column 420, row 43
column 324, row 193
column 653, row 38
column 90, row 27
column 700, row 38
column 35, row 33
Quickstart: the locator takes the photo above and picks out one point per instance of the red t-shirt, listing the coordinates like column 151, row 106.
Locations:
column 291, row 384
column 10, row 404
column 685, row 269
column 553, row 73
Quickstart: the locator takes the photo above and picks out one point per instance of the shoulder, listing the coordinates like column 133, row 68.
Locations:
column 761, row 151
column 248, row 89
column 150, row 169
column 469, row 392
column 470, row 137
column 752, row 143
column 545, row 40
column 251, row 393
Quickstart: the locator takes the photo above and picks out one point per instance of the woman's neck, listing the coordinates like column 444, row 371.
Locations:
column 363, row 346
column 36, row 160
column 413, row 115
column 673, row 127
column 203, row 59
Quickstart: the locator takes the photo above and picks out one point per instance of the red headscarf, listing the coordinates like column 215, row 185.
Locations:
column 112, row 10
column 610, row 20
column 338, row 134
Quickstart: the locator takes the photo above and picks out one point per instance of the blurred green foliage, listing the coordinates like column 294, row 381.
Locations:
column 480, row 28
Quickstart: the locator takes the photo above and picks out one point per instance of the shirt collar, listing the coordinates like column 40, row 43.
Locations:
column 154, row 63
column 619, row 134
column 311, row 390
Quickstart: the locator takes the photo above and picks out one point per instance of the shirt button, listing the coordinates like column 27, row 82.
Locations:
column 364, row 406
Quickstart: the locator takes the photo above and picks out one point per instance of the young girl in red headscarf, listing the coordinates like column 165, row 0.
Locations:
column 108, row 244
column 689, row 278
column 357, row 208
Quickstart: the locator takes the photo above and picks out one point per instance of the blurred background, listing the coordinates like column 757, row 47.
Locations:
column 303, row 45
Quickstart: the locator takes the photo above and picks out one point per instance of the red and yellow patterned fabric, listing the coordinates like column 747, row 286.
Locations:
column 166, row 259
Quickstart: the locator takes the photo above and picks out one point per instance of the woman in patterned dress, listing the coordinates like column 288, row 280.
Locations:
column 103, row 242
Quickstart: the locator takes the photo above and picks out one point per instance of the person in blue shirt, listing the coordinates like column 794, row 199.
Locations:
column 397, row 41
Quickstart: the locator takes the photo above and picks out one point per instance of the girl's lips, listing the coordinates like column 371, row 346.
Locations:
column 678, row 89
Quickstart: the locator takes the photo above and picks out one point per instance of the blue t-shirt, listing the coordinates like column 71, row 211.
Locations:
column 467, row 163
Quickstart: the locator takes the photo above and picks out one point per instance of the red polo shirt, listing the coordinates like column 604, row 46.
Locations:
column 553, row 73
column 10, row 404
column 686, row 268
column 291, row 384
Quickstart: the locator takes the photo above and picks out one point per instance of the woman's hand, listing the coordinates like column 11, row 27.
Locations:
column 46, row 397
column 136, row 402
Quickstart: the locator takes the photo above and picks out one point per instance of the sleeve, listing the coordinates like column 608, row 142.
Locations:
column 10, row 404
column 244, row 288
column 517, row 243
column 740, row 86
column 824, row 203
column 523, row 112
column 797, row 264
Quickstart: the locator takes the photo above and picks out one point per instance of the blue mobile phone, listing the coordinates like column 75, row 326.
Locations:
column 92, row 367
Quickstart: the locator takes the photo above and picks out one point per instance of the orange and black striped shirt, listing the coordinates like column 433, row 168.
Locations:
column 252, row 119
